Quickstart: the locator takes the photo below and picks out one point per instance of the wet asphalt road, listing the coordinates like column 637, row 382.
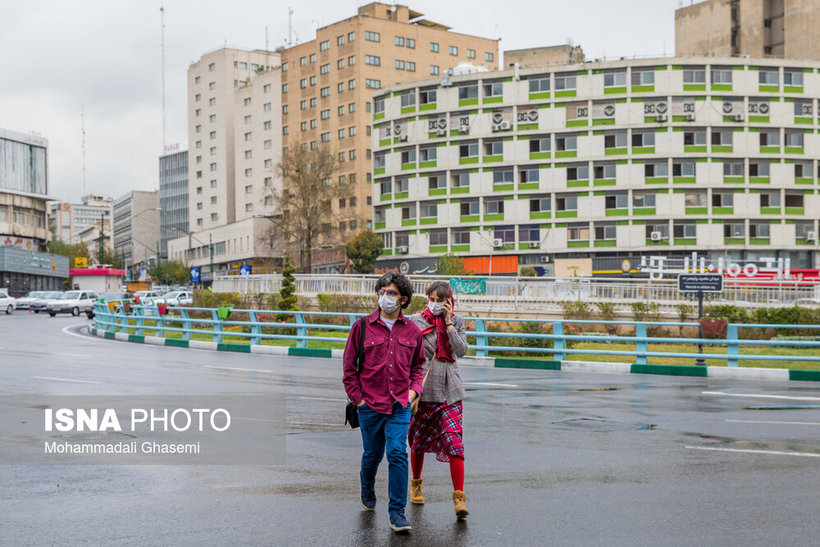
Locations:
column 551, row 458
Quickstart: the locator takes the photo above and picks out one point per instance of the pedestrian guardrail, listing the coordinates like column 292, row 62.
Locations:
column 296, row 326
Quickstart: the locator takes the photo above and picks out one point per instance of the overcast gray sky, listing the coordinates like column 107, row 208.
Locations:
column 105, row 54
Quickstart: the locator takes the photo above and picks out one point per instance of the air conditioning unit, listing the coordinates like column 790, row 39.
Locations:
column 441, row 132
column 403, row 249
column 545, row 259
column 503, row 126
column 655, row 236
column 402, row 138
column 534, row 244
column 690, row 117
column 739, row 117
column 661, row 117
column 498, row 243
column 463, row 128
column 811, row 235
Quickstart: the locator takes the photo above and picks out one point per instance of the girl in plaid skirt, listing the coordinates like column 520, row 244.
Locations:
column 436, row 426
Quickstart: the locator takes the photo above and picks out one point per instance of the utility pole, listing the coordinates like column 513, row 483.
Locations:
column 102, row 236
column 211, row 248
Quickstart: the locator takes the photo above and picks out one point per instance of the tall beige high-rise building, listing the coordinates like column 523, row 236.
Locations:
column 757, row 28
column 327, row 85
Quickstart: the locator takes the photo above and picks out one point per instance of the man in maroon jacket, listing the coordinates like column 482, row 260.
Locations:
column 390, row 379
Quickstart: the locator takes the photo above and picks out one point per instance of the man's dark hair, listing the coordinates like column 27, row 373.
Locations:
column 401, row 282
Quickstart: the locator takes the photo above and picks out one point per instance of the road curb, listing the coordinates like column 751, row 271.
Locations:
column 734, row 373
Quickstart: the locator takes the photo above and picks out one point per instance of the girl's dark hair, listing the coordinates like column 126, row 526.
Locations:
column 441, row 288
column 400, row 281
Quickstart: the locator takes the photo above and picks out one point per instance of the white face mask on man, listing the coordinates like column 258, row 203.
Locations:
column 388, row 304
column 436, row 308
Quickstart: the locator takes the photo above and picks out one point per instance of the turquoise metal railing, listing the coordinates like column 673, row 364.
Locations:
column 207, row 321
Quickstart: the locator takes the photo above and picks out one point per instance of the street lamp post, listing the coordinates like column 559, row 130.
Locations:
column 102, row 236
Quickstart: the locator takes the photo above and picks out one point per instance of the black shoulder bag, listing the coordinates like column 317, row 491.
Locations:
column 351, row 412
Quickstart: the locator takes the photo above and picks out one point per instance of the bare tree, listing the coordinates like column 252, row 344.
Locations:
column 304, row 203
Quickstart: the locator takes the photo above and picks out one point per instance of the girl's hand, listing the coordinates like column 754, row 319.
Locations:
column 448, row 311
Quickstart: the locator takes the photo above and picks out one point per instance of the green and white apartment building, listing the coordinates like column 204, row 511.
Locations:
column 605, row 161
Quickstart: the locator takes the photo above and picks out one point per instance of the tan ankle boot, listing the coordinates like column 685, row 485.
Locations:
column 461, row 509
column 416, row 495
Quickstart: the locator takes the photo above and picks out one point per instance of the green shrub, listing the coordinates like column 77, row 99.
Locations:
column 606, row 311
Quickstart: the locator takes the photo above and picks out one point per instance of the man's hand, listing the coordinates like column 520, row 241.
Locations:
column 413, row 396
column 361, row 403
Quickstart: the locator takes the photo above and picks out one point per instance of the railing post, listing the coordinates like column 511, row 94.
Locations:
column 256, row 328
column 140, row 321
column 160, row 330
column 731, row 345
column 480, row 339
column 186, row 325
column 641, row 346
column 558, row 344
column 217, row 327
column 301, row 331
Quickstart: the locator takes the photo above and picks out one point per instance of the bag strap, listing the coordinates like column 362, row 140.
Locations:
column 360, row 355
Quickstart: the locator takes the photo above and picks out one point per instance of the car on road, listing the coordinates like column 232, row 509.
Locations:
column 147, row 297
column 41, row 302
column 73, row 302
column 7, row 303
column 807, row 302
column 176, row 298
column 24, row 302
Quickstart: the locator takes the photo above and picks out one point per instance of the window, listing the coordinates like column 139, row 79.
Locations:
column 372, row 60
column 682, row 168
column 453, row 50
column 721, row 75
column 428, row 209
column 399, row 41
column 428, row 153
column 733, row 168
column 566, row 203
column 578, row 172
column 408, row 98
column 493, row 89
column 212, row 85
column 460, row 180
column 351, row 36
column 469, row 207
column 436, row 181
column 767, row 77
column 372, row 84
column 313, row 100
column 503, row 175
column 724, row 199
column 408, row 212
column 313, row 124
column 408, row 155
column 468, row 92
column 351, row 60
column 643, row 199
column 371, row 36
column 793, row 78
column 434, row 47
column 615, row 79
column 198, row 112
column 794, row 139
column 248, row 172
column 759, row 168
column 247, row 120
column 212, row 67
column 648, row 139
column 438, row 237
column 324, row 92
column 212, row 118
column 605, row 232
column 694, row 137
column 578, row 232
column 213, row 167
column 488, row 57
column 340, row 40
column 528, row 174
column 211, row 135
column 212, row 101
column 471, row 54
column 340, row 64
column 213, row 200
column 351, row 155
column 248, row 153
column 734, row 230
column 378, row 160
column 247, row 101
column 539, row 85
column 312, row 57
column 540, row 204
column 284, row 88
column 427, row 96
column 564, row 82
column 721, row 138
column 606, row 171
column 769, row 138
column 342, row 133
column 198, row 97
column 566, row 142
column 303, row 126
column 494, row 148
column 694, row 75
column 214, row 216
column 657, row 169
column 758, row 230
column 213, row 183
column 325, row 114
column 326, row 137
column 802, row 169
column 615, row 140
column 616, row 201
column 411, row 43
column 643, row 77
column 324, row 46
column 410, row 66
column 493, row 206
column 770, row 199
column 794, row 200
column 386, row 187
column 434, row 70
column 340, row 87
column 324, row 69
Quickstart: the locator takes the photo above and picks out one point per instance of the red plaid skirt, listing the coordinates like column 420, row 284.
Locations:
column 436, row 427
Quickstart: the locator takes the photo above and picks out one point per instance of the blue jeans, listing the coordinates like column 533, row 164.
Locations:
column 386, row 433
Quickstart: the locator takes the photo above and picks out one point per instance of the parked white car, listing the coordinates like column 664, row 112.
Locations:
column 7, row 303
column 73, row 302
column 148, row 297
column 176, row 298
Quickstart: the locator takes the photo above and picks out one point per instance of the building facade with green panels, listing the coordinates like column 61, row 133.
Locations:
column 624, row 158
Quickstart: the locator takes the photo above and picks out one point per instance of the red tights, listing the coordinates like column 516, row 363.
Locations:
column 456, row 469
